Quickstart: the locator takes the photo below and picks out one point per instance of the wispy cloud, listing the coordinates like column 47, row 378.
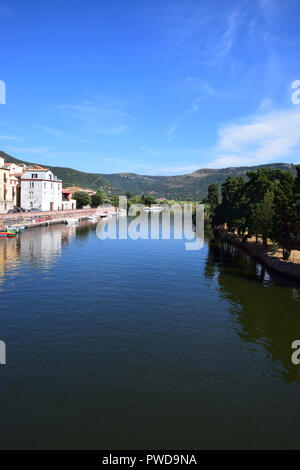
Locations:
column 149, row 150
column 259, row 139
column 113, row 130
column 99, row 115
column 6, row 11
column 58, row 133
column 11, row 137
column 182, row 117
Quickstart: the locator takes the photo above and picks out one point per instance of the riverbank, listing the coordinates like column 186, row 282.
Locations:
column 268, row 258
column 37, row 219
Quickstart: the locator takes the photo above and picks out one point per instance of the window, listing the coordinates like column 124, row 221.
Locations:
column 34, row 175
column 31, row 204
column 31, row 184
column 45, row 185
column 30, row 194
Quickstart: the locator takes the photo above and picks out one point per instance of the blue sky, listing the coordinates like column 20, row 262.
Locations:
column 149, row 86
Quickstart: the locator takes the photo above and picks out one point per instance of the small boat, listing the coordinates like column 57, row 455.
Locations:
column 15, row 229
column 72, row 221
column 4, row 233
column 93, row 218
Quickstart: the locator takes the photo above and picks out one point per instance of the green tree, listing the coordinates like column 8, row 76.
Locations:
column 213, row 197
column 98, row 198
column 284, row 220
column 262, row 217
column 82, row 198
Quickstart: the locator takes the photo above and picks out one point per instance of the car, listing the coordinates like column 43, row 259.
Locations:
column 33, row 210
column 15, row 210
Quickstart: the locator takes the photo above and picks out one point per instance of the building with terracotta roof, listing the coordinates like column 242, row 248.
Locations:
column 67, row 202
column 74, row 189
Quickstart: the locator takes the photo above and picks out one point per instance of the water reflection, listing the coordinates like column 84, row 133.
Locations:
column 265, row 305
column 38, row 247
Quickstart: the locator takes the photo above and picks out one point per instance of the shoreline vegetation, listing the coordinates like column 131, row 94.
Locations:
column 271, row 258
column 261, row 215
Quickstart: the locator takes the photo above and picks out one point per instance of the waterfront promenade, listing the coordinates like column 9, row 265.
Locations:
column 34, row 219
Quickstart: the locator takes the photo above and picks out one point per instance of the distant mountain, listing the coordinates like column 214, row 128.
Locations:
column 192, row 186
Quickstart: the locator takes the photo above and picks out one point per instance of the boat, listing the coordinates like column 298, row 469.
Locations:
column 93, row 218
column 15, row 229
column 4, row 233
column 72, row 221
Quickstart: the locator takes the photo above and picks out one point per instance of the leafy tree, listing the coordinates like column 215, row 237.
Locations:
column 262, row 217
column 99, row 198
column 259, row 189
column 213, row 197
column 283, row 228
column 148, row 200
column 231, row 211
column 82, row 198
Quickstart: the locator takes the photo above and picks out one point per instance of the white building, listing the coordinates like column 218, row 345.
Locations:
column 40, row 189
column 14, row 168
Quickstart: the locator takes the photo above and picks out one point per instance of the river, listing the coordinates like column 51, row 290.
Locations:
column 141, row 344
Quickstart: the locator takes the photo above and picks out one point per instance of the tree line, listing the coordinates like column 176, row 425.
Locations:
column 266, row 206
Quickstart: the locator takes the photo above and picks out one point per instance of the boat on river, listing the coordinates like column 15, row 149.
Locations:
column 4, row 233
column 72, row 221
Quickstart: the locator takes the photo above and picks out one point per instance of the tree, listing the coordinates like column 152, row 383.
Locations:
column 263, row 216
column 148, row 200
column 213, row 197
column 232, row 209
column 283, row 227
column 99, row 198
column 296, row 211
column 82, row 198
column 259, row 189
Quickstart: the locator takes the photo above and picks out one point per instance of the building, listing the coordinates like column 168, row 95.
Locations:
column 40, row 190
column 15, row 168
column 74, row 189
column 6, row 189
column 67, row 202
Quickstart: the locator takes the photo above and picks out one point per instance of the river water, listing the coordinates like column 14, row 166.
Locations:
column 127, row 344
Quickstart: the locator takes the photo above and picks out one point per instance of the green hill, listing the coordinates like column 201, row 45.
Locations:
column 186, row 187
column 71, row 177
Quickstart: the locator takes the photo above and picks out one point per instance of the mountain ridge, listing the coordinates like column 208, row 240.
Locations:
column 191, row 186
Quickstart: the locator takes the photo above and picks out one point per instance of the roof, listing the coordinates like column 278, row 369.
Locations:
column 37, row 169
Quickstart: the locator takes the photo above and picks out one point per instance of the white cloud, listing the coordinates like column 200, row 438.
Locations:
column 11, row 137
column 149, row 150
column 182, row 117
column 258, row 140
column 113, row 130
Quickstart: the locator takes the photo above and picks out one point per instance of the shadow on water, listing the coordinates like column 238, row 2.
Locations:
column 265, row 304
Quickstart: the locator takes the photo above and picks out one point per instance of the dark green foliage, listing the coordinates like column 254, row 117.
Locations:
column 213, row 197
column 99, row 198
column 267, row 206
column 82, row 198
